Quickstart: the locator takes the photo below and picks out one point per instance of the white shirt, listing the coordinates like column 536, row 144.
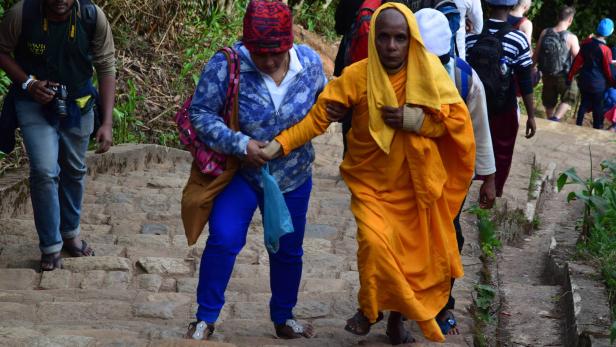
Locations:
column 472, row 9
column 478, row 108
column 277, row 92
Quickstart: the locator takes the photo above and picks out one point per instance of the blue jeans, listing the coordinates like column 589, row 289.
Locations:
column 57, row 172
column 231, row 215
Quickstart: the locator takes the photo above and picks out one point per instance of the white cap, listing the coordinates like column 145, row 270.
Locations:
column 434, row 29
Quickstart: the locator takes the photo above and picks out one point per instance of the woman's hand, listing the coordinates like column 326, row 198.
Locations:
column 254, row 155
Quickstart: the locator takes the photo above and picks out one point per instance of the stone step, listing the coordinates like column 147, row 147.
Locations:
column 530, row 314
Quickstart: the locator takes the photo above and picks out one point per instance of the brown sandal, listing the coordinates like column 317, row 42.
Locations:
column 396, row 331
column 50, row 262
column 83, row 251
column 359, row 324
column 292, row 329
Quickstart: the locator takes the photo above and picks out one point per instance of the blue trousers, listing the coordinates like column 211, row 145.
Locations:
column 57, row 172
column 231, row 215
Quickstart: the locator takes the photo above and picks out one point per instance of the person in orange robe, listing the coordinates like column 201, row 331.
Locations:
column 409, row 163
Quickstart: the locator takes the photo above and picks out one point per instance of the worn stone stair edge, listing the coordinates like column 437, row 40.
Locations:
column 585, row 301
column 535, row 201
column 15, row 189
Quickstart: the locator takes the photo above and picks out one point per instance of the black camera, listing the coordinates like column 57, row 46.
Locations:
column 59, row 100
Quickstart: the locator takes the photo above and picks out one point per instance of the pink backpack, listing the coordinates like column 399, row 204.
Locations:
column 207, row 160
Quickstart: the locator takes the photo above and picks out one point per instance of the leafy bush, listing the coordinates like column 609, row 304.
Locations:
column 317, row 16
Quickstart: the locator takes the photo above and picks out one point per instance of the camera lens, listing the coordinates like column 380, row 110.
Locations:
column 59, row 100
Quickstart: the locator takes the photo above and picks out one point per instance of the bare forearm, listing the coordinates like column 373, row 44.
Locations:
column 529, row 103
column 107, row 97
column 12, row 69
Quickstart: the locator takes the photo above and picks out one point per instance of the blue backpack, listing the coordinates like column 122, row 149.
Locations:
column 463, row 78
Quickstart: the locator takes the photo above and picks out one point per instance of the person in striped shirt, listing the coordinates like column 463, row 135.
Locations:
column 517, row 61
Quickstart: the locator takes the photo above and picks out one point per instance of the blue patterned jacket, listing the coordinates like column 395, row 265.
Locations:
column 258, row 117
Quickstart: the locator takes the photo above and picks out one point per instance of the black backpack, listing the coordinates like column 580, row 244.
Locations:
column 487, row 59
column 416, row 5
column 553, row 57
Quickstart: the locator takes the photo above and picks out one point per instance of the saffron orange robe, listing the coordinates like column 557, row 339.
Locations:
column 404, row 203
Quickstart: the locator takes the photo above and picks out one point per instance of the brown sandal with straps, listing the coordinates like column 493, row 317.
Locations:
column 50, row 262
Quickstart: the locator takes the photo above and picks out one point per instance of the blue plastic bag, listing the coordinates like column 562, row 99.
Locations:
column 609, row 99
column 276, row 217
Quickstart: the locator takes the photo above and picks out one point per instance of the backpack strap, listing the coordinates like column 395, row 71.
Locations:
column 88, row 14
column 464, row 78
column 31, row 13
column 502, row 32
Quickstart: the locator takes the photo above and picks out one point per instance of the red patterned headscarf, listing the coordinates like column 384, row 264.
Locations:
column 268, row 27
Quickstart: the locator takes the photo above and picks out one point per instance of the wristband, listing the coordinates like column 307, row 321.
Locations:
column 26, row 84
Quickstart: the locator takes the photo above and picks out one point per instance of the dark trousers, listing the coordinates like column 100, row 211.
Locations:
column 504, row 130
column 594, row 102
column 451, row 303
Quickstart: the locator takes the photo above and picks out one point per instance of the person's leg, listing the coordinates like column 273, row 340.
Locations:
column 231, row 215
column 41, row 141
column 568, row 98
column 549, row 96
column 73, row 147
column 561, row 110
column 504, row 130
column 598, row 111
column 396, row 331
column 286, row 264
column 445, row 313
column 585, row 104
column 549, row 112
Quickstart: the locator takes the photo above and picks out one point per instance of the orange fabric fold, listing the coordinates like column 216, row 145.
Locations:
column 404, row 202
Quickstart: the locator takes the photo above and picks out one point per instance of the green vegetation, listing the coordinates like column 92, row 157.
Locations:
column 598, row 240
column 126, row 125
column 316, row 17
column 161, row 48
column 483, row 312
column 488, row 237
column 544, row 14
column 535, row 177
column 483, row 300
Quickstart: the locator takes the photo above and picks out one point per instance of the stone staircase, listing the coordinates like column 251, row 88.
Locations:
column 139, row 289
column 533, row 311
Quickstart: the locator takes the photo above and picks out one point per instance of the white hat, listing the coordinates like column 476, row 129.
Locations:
column 435, row 31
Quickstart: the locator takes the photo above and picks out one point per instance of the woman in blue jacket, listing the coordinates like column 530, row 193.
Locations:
column 279, row 83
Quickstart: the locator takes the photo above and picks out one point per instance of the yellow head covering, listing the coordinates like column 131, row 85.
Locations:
column 427, row 82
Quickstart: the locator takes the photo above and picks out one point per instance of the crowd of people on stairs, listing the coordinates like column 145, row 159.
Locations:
column 428, row 95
